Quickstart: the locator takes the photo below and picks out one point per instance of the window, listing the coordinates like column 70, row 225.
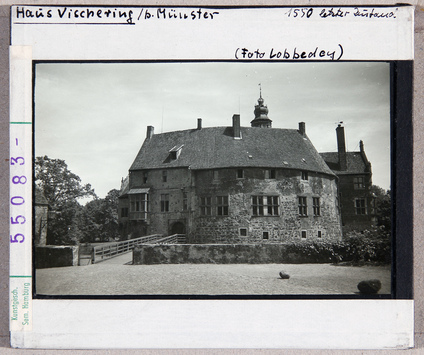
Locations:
column 243, row 232
column 316, row 206
column 215, row 175
column 175, row 152
column 265, row 206
column 303, row 207
column 205, row 206
column 144, row 177
column 124, row 212
column 303, row 234
column 265, row 235
column 240, row 173
column 360, row 206
column 185, row 201
column 358, row 183
column 319, row 234
column 164, row 176
column 270, row 174
column 304, row 175
column 222, row 205
column 164, row 203
column 139, row 206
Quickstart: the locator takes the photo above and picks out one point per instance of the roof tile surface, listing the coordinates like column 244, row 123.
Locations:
column 215, row 147
column 355, row 163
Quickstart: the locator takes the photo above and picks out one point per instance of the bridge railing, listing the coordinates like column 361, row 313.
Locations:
column 171, row 239
column 111, row 250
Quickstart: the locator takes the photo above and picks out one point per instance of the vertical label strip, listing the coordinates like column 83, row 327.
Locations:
column 20, row 196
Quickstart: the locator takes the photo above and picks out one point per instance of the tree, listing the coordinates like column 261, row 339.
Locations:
column 62, row 189
column 383, row 207
column 58, row 183
column 100, row 219
column 63, row 227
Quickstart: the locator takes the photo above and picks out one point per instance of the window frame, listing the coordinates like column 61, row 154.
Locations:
column 304, row 175
column 125, row 212
column 238, row 174
column 302, row 206
column 139, row 204
column 271, row 174
column 222, row 205
column 265, row 205
column 185, row 201
column 215, row 175
column 359, row 183
column 164, row 175
column 360, row 209
column 164, row 203
column 205, row 206
column 316, row 206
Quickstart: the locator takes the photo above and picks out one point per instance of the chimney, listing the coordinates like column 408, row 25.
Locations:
column 341, row 147
column 150, row 131
column 302, row 129
column 364, row 157
column 199, row 123
column 236, row 127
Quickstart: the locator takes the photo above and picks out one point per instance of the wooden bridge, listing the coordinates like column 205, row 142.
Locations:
column 104, row 252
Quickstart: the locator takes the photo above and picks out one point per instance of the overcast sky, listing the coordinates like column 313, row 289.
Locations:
column 94, row 116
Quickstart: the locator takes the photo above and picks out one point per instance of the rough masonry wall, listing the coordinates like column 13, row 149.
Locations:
column 178, row 183
column 225, row 254
column 350, row 219
column 56, row 256
column 287, row 185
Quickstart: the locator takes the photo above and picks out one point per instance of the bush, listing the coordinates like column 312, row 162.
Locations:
column 372, row 245
column 368, row 246
column 318, row 252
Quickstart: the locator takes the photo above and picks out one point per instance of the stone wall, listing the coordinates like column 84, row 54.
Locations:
column 185, row 189
column 287, row 226
column 222, row 254
column 56, row 256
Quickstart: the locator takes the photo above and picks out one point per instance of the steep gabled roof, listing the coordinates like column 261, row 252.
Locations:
column 214, row 148
column 357, row 163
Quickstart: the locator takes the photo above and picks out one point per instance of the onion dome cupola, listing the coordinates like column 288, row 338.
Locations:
column 261, row 114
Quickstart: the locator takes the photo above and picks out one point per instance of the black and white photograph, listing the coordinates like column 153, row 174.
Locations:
column 214, row 179
column 211, row 177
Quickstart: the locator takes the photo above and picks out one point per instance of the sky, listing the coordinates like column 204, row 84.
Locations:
column 95, row 115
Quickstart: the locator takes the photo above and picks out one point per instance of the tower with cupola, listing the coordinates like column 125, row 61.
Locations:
column 261, row 114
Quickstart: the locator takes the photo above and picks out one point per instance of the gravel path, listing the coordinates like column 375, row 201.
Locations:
column 207, row 279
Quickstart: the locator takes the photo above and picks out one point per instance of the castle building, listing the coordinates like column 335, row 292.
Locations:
column 355, row 179
column 231, row 185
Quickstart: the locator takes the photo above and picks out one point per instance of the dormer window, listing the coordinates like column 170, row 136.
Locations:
column 175, row 152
